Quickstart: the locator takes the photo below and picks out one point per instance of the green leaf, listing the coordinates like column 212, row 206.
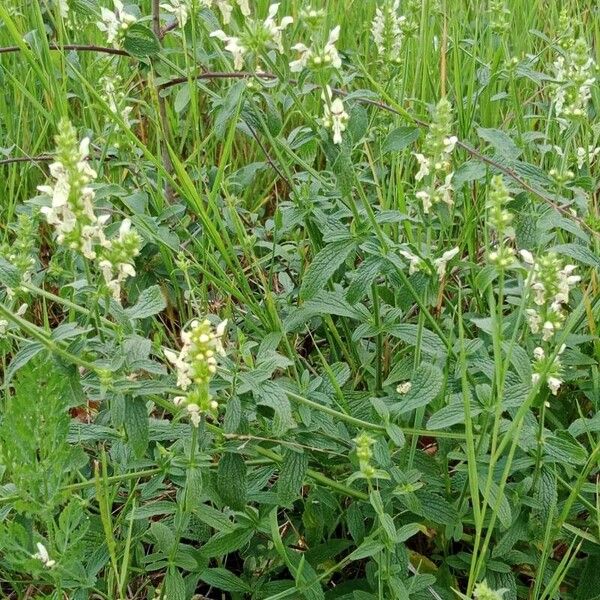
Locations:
column 228, row 109
column 164, row 537
column 136, row 425
column 452, row 414
column 501, row 142
column 426, row 383
column 224, row 580
column 579, row 253
column 589, row 580
column 431, row 343
column 323, row 266
column 232, row 480
column 150, row 302
column 221, row 544
column 9, row 274
column 368, row 548
column 563, row 448
column 291, row 476
column 400, row 138
column 141, row 42
column 174, row 585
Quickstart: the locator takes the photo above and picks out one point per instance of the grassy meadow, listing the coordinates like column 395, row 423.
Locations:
column 299, row 300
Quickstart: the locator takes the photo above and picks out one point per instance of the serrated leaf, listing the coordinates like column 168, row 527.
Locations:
column 140, row 41
column 368, row 548
column 291, row 476
column 228, row 109
column 563, row 448
column 323, row 266
column 501, row 142
column 426, row 383
column 9, row 274
column 150, row 302
column 400, row 138
column 136, row 425
column 453, row 414
column 224, row 580
column 232, row 482
column 174, row 585
column 431, row 343
column 580, row 253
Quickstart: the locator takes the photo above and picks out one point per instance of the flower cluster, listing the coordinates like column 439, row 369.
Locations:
column 318, row 56
column 434, row 161
column 483, row 592
column 20, row 253
column 72, row 211
column 364, row 453
column 574, row 78
column 113, row 94
column 499, row 16
column 550, row 284
column 551, row 371
column 312, row 17
column 179, row 9
column 499, row 221
column 258, row 36
column 335, row 118
column 73, row 217
column 387, row 30
column 115, row 23
column 117, row 255
column 195, row 364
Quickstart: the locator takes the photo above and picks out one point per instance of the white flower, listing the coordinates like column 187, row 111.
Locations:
column 527, row 257
column 440, row 263
column 538, row 353
column 232, row 45
column 42, row 555
column 415, row 262
column 335, row 117
column 194, row 414
column 117, row 258
column 404, row 387
column 554, row 384
column 425, row 198
column 275, row 30
column 424, row 166
column 179, row 9
column 305, row 53
column 116, row 23
column 330, row 53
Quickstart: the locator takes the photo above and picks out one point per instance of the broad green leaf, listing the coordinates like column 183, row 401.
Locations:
column 501, row 142
column 563, row 448
column 426, row 383
column 232, row 480
column 323, row 266
column 224, row 580
column 291, row 476
column 141, row 42
column 9, row 274
column 400, row 138
column 136, row 425
column 578, row 252
column 150, row 302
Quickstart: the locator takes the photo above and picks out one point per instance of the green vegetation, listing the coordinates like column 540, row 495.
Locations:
column 299, row 302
